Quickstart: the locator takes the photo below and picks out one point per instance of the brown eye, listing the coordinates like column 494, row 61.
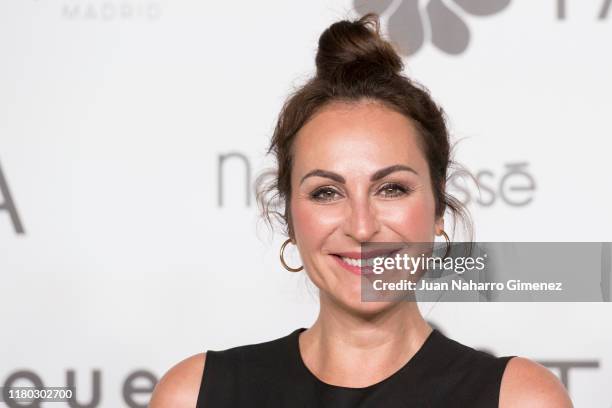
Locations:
column 392, row 190
column 324, row 194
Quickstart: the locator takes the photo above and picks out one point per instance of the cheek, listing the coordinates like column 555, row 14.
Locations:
column 414, row 221
column 311, row 222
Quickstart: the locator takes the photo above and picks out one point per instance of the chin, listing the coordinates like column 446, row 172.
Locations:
column 353, row 303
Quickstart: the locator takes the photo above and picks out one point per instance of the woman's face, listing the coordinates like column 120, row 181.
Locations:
column 358, row 176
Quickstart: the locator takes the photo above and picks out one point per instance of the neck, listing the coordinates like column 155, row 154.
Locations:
column 347, row 349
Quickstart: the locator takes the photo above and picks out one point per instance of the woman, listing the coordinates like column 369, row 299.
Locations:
column 362, row 155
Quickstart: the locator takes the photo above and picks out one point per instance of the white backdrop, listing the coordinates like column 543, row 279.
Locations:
column 114, row 116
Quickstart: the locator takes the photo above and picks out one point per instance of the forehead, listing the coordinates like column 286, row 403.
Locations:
column 357, row 138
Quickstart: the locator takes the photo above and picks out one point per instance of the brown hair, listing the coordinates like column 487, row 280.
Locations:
column 354, row 63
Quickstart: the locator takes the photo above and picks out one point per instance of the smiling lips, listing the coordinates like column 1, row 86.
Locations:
column 356, row 266
column 360, row 263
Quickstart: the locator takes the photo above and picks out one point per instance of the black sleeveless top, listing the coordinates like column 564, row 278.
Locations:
column 443, row 373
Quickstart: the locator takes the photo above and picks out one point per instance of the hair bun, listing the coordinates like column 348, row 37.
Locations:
column 350, row 50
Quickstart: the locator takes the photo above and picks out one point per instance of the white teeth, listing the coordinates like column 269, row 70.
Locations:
column 358, row 262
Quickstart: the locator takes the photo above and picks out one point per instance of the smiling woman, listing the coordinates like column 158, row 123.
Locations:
column 363, row 155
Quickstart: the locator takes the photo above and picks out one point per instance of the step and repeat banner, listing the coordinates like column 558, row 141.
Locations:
column 132, row 131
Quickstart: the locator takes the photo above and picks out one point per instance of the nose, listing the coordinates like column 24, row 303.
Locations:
column 361, row 222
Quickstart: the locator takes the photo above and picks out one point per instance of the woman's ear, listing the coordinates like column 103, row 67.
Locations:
column 439, row 225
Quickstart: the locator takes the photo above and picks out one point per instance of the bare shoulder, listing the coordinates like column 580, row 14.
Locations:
column 526, row 384
column 179, row 387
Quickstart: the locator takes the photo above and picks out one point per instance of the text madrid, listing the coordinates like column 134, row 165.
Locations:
column 512, row 284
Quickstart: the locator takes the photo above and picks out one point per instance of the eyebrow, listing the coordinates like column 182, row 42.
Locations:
column 376, row 176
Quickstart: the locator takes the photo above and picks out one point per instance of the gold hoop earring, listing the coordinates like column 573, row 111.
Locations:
column 282, row 258
column 448, row 243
